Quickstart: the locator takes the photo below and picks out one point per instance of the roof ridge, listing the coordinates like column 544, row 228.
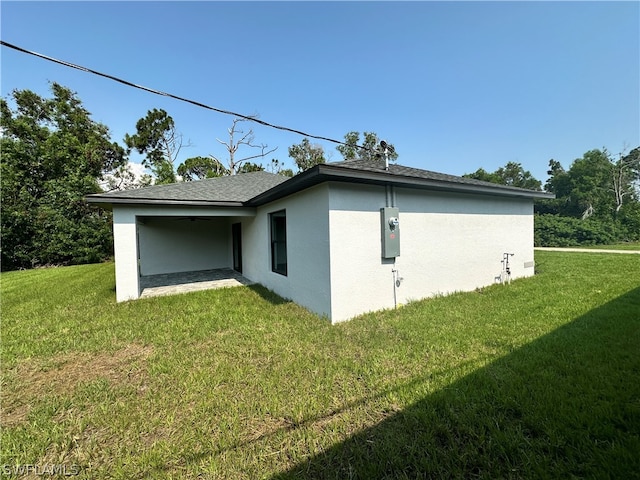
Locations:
column 253, row 190
column 403, row 170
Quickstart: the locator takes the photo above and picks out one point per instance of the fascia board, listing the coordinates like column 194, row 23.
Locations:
column 107, row 201
column 323, row 172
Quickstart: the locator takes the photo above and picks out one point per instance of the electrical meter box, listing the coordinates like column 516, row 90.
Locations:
column 390, row 232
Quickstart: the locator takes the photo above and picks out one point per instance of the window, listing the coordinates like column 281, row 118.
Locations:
column 278, row 221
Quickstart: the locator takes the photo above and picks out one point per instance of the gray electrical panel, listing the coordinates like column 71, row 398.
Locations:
column 390, row 232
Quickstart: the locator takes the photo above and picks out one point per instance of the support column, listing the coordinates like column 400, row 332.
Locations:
column 125, row 244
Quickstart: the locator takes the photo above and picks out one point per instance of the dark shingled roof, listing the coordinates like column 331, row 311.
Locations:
column 258, row 188
column 402, row 171
column 408, row 172
column 233, row 190
column 374, row 173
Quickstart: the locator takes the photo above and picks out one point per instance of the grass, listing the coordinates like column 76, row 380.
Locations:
column 538, row 379
column 617, row 246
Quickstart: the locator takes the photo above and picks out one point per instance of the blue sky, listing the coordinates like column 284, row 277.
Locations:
column 453, row 85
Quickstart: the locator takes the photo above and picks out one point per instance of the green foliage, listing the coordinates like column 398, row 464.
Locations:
column 277, row 167
column 629, row 218
column 53, row 154
column 512, row 174
column 482, row 175
column 558, row 181
column 590, row 183
column 370, row 150
column 595, row 185
column 306, row 155
column 156, row 137
column 562, row 231
column 197, row 168
column 164, row 173
column 596, row 201
column 124, row 178
column 247, row 167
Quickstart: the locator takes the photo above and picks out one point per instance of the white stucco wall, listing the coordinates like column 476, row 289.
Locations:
column 168, row 244
column 125, row 254
column 177, row 244
column 448, row 243
column 308, row 276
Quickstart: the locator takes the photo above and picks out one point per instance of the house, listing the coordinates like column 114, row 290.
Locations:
column 340, row 239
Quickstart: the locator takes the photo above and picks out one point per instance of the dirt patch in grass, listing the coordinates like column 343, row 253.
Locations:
column 257, row 428
column 32, row 380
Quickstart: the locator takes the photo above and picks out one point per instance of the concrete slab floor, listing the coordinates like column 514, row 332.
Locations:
column 181, row 282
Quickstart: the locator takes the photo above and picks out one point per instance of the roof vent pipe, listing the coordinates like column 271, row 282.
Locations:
column 385, row 153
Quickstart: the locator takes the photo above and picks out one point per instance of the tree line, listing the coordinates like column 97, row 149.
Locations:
column 157, row 139
column 597, row 198
column 54, row 154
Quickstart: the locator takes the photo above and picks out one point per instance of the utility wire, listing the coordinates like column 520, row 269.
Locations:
column 176, row 97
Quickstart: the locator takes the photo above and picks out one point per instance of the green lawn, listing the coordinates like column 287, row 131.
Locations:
column 617, row 246
column 537, row 379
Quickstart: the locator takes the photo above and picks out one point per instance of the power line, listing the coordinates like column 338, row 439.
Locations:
column 175, row 97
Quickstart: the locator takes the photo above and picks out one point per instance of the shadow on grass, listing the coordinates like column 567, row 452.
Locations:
column 268, row 295
column 567, row 404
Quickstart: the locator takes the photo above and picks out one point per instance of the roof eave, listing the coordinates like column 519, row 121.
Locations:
column 109, row 201
column 324, row 172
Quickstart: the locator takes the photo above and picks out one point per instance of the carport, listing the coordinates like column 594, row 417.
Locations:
column 182, row 228
column 164, row 249
column 187, row 253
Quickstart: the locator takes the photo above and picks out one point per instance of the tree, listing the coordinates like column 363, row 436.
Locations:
column 595, row 184
column 156, row 137
column 558, row 181
column 277, row 167
column 512, row 174
column 597, row 190
column 207, row 167
column 53, row 154
column 370, row 150
column 250, row 167
column 245, row 139
column 625, row 177
column 306, row 155
column 124, row 178
column 483, row 175
column 590, row 181
column 197, row 168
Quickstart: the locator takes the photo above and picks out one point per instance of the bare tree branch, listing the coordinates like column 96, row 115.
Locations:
column 622, row 183
column 234, row 144
column 260, row 155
